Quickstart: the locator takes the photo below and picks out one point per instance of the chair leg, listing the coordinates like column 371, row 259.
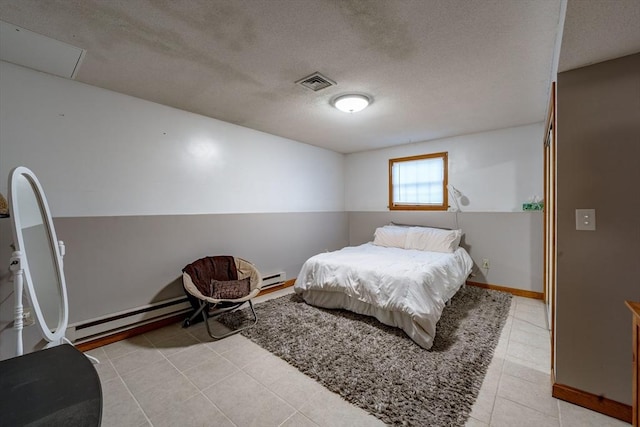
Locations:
column 187, row 322
column 235, row 331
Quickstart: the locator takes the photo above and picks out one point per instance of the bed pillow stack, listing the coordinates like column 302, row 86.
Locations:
column 418, row 238
column 433, row 239
column 391, row 236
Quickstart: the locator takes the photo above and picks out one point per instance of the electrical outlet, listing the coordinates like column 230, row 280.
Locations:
column 485, row 263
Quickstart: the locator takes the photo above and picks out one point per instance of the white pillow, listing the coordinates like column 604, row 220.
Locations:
column 390, row 237
column 433, row 239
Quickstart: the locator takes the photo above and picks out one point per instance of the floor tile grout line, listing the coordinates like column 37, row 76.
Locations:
column 230, row 374
column 506, row 398
column 527, row 344
column 275, row 392
column 198, row 389
column 242, row 369
column 134, row 398
column 510, row 335
column 127, row 387
column 547, row 351
column 302, row 415
column 544, row 328
column 182, row 373
column 219, row 381
column 202, row 363
column 179, row 371
column 216, row 406
column 272, row 392
column 288, row 418
column 216, row 352
column 256, row 380
column 197, row 339
column 527, row 405
column 112, row 367
column 533, row 409
column 523, row 379
column 559, row 413
column 132, row 351
column 528, row 364
column 121, row 355
column 514, row 303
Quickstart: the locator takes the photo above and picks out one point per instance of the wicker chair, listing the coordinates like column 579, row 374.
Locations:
column 210, row 307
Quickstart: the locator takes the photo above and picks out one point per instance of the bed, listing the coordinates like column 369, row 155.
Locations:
column 404, row 278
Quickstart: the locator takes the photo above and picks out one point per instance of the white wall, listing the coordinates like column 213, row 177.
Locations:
column 124, row 177
column 101, row 153
column 497, row 171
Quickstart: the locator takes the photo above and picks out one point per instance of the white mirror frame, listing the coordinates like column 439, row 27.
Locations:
column 20, row 264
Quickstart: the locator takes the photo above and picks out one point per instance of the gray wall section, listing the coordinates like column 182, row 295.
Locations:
column 598, row 129
column 116, row 263
column 511, row 241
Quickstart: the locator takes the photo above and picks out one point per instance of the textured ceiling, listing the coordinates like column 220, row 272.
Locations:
column 599, row 30
column 435, row 68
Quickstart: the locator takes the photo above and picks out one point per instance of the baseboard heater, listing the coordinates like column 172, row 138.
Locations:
column 128, row 319
column 273, row 280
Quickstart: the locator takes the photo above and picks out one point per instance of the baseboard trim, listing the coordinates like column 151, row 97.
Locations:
column 284, row 285
column 123, row 335
column 514, row 291
column 594, row 402
column 139, row 330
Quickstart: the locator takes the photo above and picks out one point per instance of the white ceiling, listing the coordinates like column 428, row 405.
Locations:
column 435, row 68
column 599, row 30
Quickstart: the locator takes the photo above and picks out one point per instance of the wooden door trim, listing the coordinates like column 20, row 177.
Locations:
column 549, row 226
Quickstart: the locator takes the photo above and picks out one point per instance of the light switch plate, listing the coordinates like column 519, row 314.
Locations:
column 586, row 219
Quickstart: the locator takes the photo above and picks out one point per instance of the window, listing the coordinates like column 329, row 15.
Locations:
column 418, row 182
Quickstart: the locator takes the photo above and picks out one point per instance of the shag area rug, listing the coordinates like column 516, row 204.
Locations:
column 379, row 368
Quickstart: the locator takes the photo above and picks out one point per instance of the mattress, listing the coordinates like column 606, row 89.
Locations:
column 404, row 288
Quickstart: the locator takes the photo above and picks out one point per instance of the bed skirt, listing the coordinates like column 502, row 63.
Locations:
column 339, row 300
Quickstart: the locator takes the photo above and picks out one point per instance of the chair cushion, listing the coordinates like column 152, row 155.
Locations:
column 221, row 267
column 230, row 289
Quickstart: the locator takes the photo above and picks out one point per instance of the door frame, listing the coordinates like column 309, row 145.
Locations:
column 550, row 219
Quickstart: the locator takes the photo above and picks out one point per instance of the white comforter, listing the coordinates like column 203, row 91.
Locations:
column 400, row 287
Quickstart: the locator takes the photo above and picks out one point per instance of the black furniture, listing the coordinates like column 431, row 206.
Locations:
column 53, row 387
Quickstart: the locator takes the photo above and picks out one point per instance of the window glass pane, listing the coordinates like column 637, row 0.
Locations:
column 418, row 182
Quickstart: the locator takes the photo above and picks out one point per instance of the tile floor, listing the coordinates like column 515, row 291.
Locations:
column 180, row 377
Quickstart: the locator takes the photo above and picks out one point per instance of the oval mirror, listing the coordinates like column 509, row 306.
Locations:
column 41, row 261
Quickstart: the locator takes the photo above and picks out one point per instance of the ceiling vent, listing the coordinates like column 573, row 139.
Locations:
column 316, row 82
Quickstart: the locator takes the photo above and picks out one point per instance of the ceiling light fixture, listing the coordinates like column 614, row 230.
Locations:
column 351, row 103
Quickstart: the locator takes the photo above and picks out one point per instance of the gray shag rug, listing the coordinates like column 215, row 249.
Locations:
column 379, row 368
